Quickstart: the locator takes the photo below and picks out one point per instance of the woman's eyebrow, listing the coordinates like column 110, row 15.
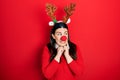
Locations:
column 58, row 32
column 61, row 32
column 66, row 31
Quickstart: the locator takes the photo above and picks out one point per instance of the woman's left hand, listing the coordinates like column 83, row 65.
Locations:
column 66, row 48
column 67, row 55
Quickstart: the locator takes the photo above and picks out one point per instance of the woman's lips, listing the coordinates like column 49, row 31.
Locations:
column 62, row 41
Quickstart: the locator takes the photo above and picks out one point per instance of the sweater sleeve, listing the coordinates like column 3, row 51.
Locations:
column 76, row 66
column 48, row 68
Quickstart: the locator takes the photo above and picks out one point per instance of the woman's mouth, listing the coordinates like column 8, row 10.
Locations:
column 62, row 42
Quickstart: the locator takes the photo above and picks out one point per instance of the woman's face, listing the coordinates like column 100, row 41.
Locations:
column 61, row 36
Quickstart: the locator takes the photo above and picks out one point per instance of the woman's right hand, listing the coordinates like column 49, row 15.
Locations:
column 60, row 51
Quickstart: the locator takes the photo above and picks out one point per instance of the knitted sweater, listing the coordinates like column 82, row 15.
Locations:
column 61, row 71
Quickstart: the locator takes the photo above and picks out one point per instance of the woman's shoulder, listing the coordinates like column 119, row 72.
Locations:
column 73, row 45
column 47, row 47
column 45, row 51
column 76, row 45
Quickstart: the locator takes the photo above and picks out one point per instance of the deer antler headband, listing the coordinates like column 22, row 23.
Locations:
column 50, row 9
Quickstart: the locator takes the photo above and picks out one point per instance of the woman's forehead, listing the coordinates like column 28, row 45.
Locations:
column 61, row 30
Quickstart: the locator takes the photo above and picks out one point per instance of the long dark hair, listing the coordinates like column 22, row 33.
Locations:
column 51, row 45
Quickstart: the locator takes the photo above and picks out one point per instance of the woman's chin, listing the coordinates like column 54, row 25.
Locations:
column 63, row 44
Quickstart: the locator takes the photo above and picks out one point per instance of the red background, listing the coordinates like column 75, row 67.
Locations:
column 24, row 31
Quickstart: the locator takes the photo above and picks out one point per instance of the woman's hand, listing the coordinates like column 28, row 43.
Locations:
column 67, row 55
column 60, row 51
column 66, row 48
column 63, row 50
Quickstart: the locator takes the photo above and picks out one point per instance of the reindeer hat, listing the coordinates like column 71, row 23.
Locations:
column 50, row 9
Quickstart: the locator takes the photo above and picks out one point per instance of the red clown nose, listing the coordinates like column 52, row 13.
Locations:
column 63, row 38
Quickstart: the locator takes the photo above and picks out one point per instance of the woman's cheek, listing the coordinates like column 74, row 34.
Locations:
column 58, row 42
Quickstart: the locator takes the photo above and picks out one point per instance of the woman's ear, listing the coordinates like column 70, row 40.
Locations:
column 53, row 36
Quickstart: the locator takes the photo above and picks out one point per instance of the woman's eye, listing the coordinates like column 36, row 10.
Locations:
column 66, row 33
column 59, row 34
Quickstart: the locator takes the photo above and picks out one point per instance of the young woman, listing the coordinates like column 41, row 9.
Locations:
column 61, row 58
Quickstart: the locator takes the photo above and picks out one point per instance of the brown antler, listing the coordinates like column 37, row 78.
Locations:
column 50, row 9
column 69, row 11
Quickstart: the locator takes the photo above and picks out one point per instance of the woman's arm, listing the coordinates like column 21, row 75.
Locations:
column 76, row 66
column 48, row 68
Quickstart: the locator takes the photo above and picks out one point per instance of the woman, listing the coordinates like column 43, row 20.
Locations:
column 61, row 59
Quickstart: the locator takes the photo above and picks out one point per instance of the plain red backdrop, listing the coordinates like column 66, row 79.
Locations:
column 24, row 31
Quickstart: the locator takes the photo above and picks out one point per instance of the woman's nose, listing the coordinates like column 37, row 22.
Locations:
column 63, row 38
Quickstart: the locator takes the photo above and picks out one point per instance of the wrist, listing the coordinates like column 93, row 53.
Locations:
column 57, row 58
column 69, row 59
column 58, row 55
column 66, row 53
